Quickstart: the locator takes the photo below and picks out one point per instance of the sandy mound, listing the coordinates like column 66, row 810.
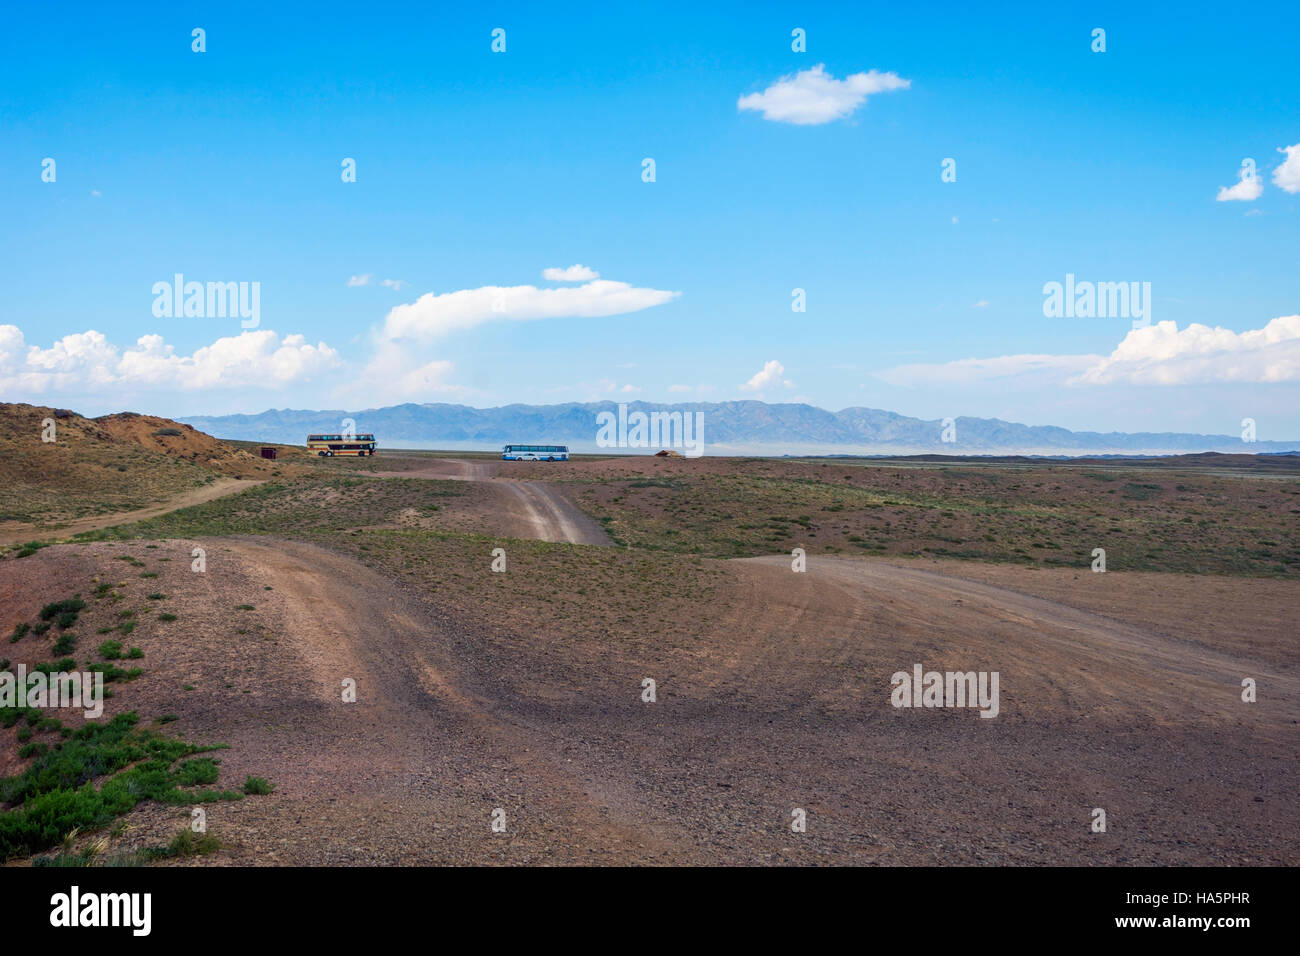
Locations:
column 181, row 441
column 97, row 466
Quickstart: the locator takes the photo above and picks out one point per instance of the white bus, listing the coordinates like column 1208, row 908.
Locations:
column 535, row 453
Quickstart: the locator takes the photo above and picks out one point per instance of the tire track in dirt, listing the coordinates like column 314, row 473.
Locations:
column 538, row 510
column 552, row 516
column 776, row 697
column 1087, row 660
column 13, row 534
column 415, row 740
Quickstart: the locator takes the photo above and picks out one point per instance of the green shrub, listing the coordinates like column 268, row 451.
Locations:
column 257, row 786
column 64, row 664
column 189, row 843
column 72, row 604
column 57, row 792
column 112, row 672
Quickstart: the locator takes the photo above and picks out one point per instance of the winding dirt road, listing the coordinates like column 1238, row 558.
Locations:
column 775, row 698
column 412, row 771
column 538, row 509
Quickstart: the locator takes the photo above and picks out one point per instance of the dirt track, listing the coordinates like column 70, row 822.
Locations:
column 12, row 533
column 410, row 772
column 775, row 697
column 539, row 509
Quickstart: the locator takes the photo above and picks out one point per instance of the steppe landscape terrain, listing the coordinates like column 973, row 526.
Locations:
column 521, row 690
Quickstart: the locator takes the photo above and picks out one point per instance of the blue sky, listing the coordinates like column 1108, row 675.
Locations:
column 478, row 170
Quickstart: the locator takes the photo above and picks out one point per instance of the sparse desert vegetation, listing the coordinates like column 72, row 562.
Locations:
column 381, row 570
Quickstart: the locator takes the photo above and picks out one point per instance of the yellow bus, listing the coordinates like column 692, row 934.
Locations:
column 327, row 446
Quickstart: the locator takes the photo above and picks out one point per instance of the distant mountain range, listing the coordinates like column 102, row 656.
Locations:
column 746, row 427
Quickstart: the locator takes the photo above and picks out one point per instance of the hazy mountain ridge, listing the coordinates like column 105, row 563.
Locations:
column 729, row 427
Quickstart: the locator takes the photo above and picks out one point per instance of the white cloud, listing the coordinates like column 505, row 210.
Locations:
column 973, row 370
column 811, row 97
column 592, row 391
column 87, row 361
column 1162, row 355
column 982, row 304
column 697, row 389
column 398, row 371
column 1287, row 176
column 770, row 375
column 1248, row 187
column 368, row 278
column 395, row 373
column 1159, row 354
column 432, row 316
column 576, row 273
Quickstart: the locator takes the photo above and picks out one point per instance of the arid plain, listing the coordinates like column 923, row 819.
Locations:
column 519, row 694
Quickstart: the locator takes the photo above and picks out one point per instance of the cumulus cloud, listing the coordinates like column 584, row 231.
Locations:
column 1287, row 176
column 575, row 273
column 360, row 280
column 811, row 97
column 770, row 375
column 1160, row 354
column 1248, row 187
column 432, row 316
column 87, row 361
